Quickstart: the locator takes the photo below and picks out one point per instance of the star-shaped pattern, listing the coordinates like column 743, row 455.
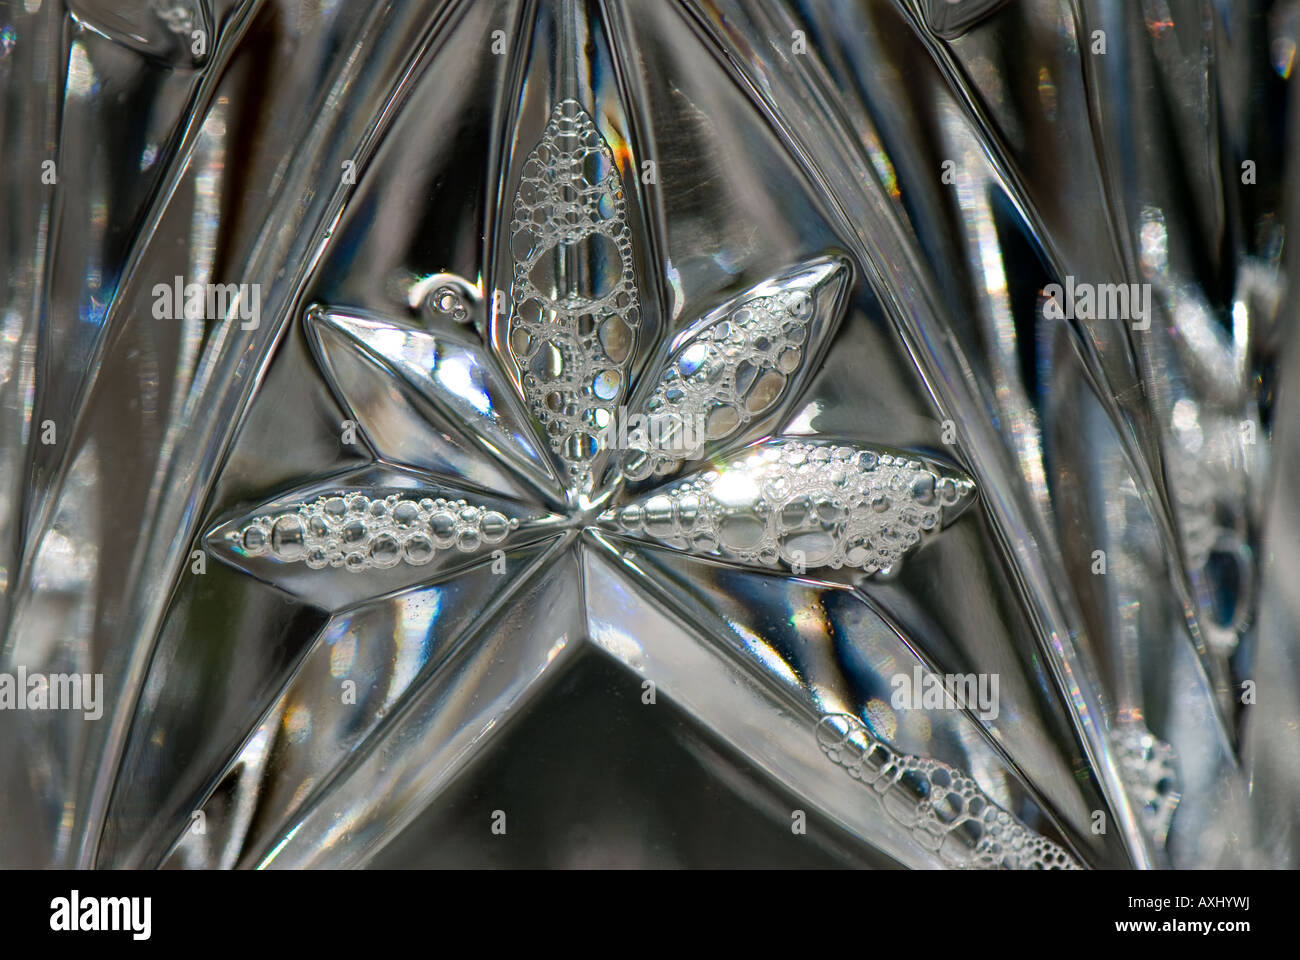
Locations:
column 559, row 490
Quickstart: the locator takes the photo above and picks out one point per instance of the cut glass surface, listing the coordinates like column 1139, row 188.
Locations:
column 693, row 434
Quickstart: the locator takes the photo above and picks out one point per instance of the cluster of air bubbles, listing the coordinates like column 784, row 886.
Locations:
column 356, row 532
column 178, row 16
column 802, row 503
column 734, row 369
column 945, row 810
column 1210, row 493
column 446, row 301
column 574, row 297
column 1148, row 767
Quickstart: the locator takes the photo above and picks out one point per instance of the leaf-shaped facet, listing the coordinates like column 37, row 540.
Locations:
column 388, row 525
column 356, row 532
column 735, row 366
column 472, row 402
column 803, row 503
column 574, row 302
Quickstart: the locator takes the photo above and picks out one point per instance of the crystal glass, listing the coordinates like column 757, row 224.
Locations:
column 604, row 433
